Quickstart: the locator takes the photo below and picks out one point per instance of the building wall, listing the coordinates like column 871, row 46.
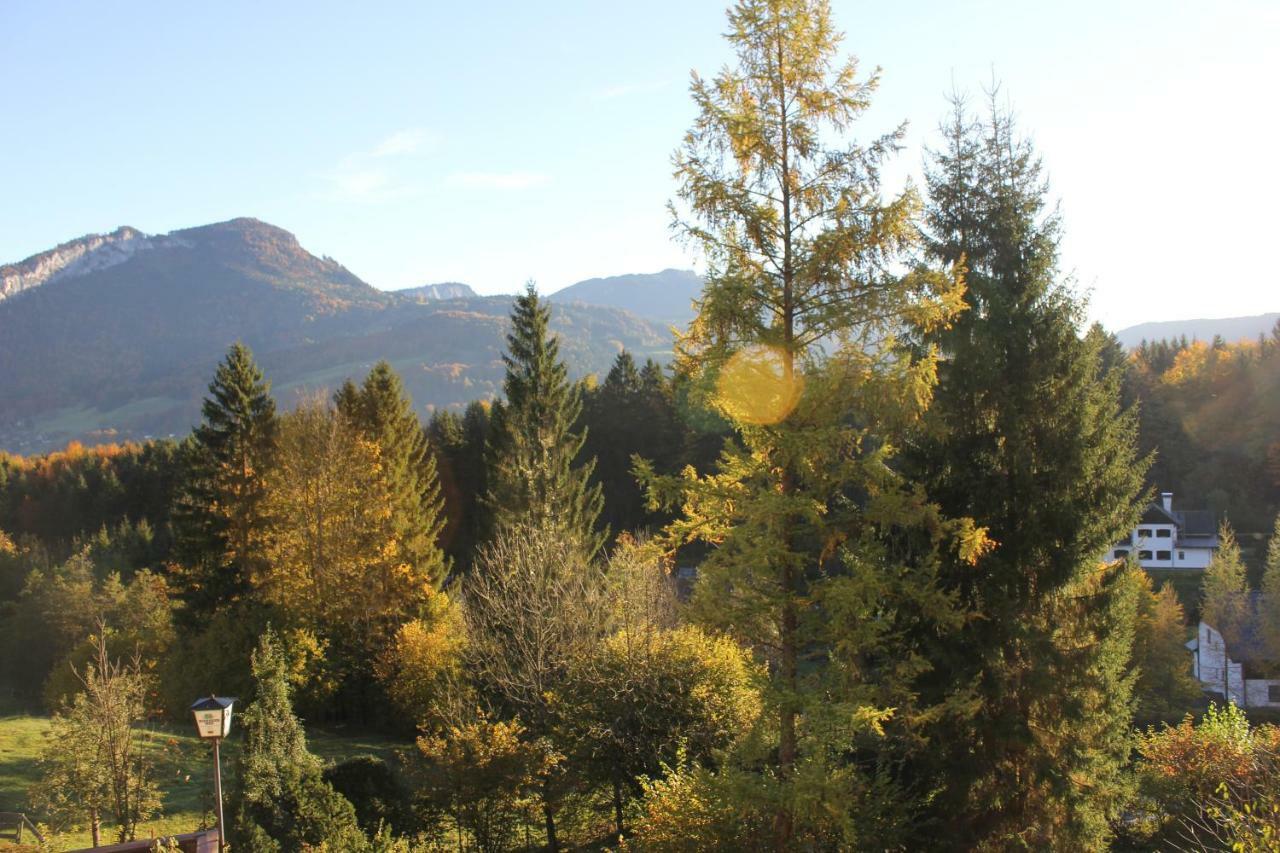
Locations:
column 1257, row 692
column 1211, row 657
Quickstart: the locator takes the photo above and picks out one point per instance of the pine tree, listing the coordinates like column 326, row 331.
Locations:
column 810, row 275
column 382, row 412
column 1269, row 601
column 1225, row 590
column 218, row 514
column 1027, row 437
column 532, row 480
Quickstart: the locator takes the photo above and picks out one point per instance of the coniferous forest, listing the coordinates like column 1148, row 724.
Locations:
column 832, row 578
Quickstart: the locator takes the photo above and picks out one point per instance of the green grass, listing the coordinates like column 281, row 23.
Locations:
column 184, row 770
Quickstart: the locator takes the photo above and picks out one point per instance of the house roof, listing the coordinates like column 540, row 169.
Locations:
column 1198, row 522
column 1156, row 514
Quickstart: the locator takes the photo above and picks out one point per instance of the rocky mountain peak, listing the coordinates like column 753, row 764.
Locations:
column 77, row 257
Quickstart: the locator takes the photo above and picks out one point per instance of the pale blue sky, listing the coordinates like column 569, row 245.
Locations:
column 491, row 143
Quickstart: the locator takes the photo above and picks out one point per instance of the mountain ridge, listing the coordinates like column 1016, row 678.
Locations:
column 122, row 345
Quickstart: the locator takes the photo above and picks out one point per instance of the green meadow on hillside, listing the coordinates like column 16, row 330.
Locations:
column 185, row 771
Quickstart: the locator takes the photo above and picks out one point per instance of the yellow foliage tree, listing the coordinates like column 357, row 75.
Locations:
column 334, row 565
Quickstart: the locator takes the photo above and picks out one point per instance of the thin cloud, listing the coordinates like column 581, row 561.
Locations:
column 498, row 180
column 368, row 176
column 402, row 142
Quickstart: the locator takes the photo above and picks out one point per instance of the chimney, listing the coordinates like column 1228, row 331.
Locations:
column 1166, row 498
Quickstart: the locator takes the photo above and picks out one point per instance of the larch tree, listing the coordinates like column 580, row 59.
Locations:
column 383, row 413
column 1027, row 437
column 218, row 516
column 1225, row 589
column 1268, row 616
column 533, row 479
column 1165, row 689
column 811, row 276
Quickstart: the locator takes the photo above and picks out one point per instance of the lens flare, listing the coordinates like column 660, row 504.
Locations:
column 754, row 386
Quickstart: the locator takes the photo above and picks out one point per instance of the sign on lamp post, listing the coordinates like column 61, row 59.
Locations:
column 213, row 722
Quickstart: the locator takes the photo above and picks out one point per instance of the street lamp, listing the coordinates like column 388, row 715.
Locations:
column 213, row 722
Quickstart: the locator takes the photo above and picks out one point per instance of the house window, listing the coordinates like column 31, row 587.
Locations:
column 1163, row 555
column 1182, row 555
column 1144, row 533
column 1273, row 694
column 1144, row 555
column 1121, row 553
column 1162, row 533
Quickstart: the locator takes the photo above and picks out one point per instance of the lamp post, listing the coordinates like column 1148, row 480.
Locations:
column 213, row 722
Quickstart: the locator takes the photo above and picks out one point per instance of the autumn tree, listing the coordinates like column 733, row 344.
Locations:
column 532, row 605
column 382, row 412
column 219, row 515
column 811, row 275
column 1165, row 689
column 534, row 479
column 1027, row 436
column 335, row 565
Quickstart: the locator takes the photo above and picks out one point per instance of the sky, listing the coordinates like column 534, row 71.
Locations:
column 493, row 143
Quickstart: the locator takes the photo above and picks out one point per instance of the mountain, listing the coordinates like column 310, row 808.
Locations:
column 665, row 297
column 444, row 290
column 116, row 336
column 1230, row 328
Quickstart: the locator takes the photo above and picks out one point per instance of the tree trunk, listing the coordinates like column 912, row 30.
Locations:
column 549, row 815
column 617, row 806
column 95, row 829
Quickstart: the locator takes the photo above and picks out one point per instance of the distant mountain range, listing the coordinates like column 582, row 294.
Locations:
column 666, row 297
column 1231, row 329
column 116, row 336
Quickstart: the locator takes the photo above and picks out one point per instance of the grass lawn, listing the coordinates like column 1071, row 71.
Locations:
column 184, row 770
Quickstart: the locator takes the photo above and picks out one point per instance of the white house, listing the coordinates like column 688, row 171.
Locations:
column 1209, row 662
column 1166, row 538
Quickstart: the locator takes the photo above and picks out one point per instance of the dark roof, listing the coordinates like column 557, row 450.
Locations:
column 1155, row 514
column 1198, row 522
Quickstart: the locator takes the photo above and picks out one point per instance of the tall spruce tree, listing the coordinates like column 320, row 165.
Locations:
column 532, row 478
column 1027, row 436
column 382, row 412
column 218, row 516
column 810, row 276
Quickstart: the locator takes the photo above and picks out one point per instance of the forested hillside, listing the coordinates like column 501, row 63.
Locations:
column 1210, row 413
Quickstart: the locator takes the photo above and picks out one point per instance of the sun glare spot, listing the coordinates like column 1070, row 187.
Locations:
column 754, row 386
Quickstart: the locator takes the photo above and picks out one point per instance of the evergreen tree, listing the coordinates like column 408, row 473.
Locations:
column 1027, row 437
column 532, row 479
column 810, row 275
column 218, row 513
column 1225, row 591
column 630, row 414
column 382, row 412
column 282, row 801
